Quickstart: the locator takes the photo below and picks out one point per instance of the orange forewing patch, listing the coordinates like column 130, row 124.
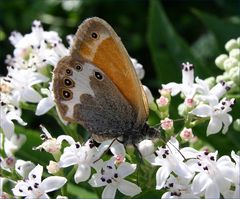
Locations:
column 117, row 67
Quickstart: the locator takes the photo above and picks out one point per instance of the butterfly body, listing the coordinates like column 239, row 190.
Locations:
column 96, row 86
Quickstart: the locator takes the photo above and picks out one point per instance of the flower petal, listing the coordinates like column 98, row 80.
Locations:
column 21, row 189
column 128, row 188
column 126, row 169
column 36, row 174
column 109, row 192
column 67, row 160
column 53, row 183
column 83, row 173
column 96, row 181
column 68, row 138
column 30, row 95
column 212, row 191
column 182, row 170
column 44, row 196
column 227, row 120
column 44, row 106
column 8, row 128
column 161, row 177
column 174, row 87
column 200, row 182
column 117, row 148
column 202, row 110
column 214, row 126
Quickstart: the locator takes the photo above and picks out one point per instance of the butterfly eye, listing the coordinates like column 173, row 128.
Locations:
column 66, row 94
column 98, row 75
column 78, row 67
column 68, row 82
column 68, row 71
column 94, row 35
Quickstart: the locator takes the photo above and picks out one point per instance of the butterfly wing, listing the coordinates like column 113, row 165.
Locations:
column 85, row 94
column 96, row 42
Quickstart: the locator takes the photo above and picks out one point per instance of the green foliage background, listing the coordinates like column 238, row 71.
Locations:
column 159, row 34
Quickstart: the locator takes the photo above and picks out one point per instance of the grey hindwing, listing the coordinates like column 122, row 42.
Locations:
column 107, row 113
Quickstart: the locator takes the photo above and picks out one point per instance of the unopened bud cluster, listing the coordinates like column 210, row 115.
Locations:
column 230, row 63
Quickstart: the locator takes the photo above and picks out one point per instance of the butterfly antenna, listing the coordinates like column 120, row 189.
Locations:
column 177, row 150
column 105, row 151
column 158, row 127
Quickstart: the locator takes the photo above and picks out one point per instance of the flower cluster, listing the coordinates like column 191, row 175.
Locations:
column 201, row 100
column 109, row 166
column 188, row 173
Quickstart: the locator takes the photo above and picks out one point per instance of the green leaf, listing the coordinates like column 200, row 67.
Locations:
column 223, row 30
column 33, row 140
column 80, row 192
column 162, row 34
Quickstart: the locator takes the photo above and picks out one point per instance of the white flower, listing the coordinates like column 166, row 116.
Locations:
column 23, row 167
column 213, row 176
column 34, row 187
column 82, row 156
column 178, row 188
column 148, row 93
column 146, row 148
column 162, row 101
column 22, row 82
column 235, row 193
column 212, row 95
column 187, row 87
column 115, row 147
column 167, row 124
column 138, row 68
column 218, row 114
column 170, row 160
column 44, row 46
column 113, row 179
column 7, row 163
column 15, row 143
column 186, row 134
column 8, row 113
column 53, row 167
column 50, row 144
column 45, row 104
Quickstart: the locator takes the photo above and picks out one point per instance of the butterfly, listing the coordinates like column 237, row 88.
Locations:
column 97, row 86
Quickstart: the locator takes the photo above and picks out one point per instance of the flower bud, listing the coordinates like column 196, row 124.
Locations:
column 167, row 124
column 234, row 74
column 236, row 124
column 61, row 197
column 53, row 167
column 231, row 44
column 230, row 63
column 189, row 102
column 9, row 162
column 146, row 147
column 148, row 94
column 238, row 42
column 235, row 53
column 162, row 101
column 220, row 60
column 182, row 109
column 186, row 134
column 210, row 81
column 165, row 92
column 138, row 68
column 220, row 78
